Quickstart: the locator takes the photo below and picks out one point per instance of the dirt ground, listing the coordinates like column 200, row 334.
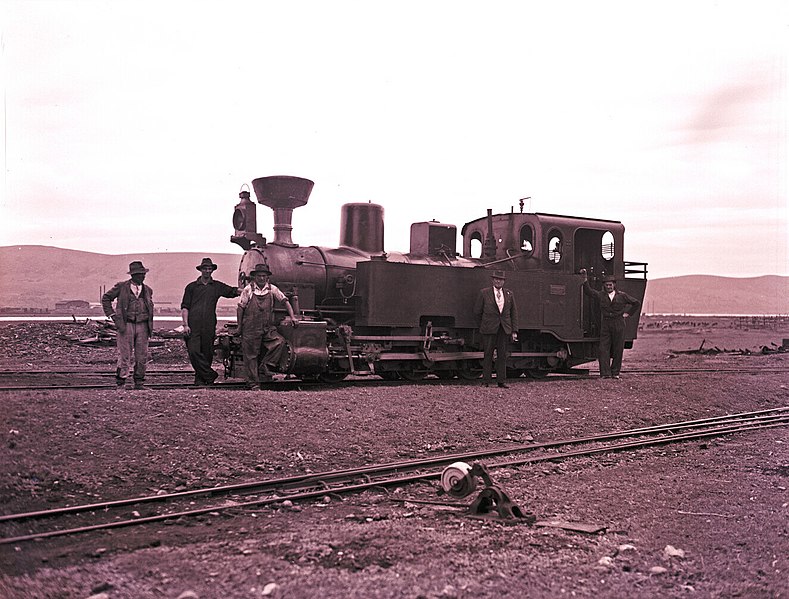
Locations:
column 695, row 519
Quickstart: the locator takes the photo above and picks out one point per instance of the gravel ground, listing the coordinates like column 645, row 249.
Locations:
column 694, row 519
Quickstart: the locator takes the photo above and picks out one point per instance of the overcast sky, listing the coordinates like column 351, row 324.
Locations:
column 131, row 126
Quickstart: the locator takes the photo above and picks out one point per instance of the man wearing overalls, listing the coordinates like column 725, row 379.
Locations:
column 261, row 344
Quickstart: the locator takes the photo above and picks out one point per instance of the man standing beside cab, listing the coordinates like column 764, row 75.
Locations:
column 133, row 316
column 498, row 315
column 198, row 311
column 615, row 307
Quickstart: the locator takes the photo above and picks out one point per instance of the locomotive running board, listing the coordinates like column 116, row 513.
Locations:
column 465, row 355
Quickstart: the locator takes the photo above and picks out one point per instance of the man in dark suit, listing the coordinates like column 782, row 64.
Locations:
column 498, row 315
column 198, row 311
column 615, row 307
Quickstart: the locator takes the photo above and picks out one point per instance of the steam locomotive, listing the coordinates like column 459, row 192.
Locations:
column 366, row 311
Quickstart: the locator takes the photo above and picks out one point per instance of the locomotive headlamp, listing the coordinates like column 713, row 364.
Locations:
column 239, row 220
column 245, row 221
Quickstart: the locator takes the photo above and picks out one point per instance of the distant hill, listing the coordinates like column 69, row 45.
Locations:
column 707, row 294
column 38, row 276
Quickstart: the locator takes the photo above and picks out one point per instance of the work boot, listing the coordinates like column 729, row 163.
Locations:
column 139, row 385
column 120, row 381
column 264, row 374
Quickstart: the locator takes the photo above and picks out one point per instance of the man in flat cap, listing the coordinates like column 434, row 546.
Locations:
column 133, row 316
column 498, row 315
column 615, row 307
column 198, row 312
column 261, row 344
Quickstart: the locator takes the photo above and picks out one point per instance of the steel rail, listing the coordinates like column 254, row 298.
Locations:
column 375, row 382
column 782, row 421
column 700, row 370
column 394, row 481
column 105, row 373
column 148, row 372
column 113, row 386
column 320, row 478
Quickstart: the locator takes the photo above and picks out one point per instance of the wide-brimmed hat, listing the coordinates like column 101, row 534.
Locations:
column 207, row 262
column 609, row 279
column 498, row 274
column 260, row 268
column 136, row 268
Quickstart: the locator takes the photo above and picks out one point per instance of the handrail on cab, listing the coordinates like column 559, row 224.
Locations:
column 636, row 268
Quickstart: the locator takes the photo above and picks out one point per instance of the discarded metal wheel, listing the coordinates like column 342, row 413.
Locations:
column 457, row 480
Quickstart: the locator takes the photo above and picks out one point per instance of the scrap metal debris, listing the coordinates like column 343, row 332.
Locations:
column 93, row 333
column 573, row 526
column 458, row 480
column 773, row 348
column 103, row 333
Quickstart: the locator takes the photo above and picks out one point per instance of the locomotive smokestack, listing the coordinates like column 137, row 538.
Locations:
column 282, row 194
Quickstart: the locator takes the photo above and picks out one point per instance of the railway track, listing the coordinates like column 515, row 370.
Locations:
column 69, row 520
column 17, row 380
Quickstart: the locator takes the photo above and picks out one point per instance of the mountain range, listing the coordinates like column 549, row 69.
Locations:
column 36, row 276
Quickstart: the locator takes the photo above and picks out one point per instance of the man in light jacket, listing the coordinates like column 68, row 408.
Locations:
column 133, row 316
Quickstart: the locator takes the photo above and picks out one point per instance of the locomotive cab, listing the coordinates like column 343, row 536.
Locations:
column 550, row 250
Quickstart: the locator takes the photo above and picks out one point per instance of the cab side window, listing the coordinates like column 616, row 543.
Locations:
column 554, row 247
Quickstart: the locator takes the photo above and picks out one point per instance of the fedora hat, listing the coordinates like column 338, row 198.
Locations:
column 260, row 268
column 609, row 279
column 136, row 268
column 207, row 262
column 498, row 274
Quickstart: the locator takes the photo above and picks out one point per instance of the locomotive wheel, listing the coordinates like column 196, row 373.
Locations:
column 537, row 374
column 414, row 375
column 457, row 480
column 514, row 373
column 445, row 375
column 389, row 375
column 332, row 377
column 468, row 372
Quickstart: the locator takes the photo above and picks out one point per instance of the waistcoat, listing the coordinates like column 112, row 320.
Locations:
column 136, row 311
